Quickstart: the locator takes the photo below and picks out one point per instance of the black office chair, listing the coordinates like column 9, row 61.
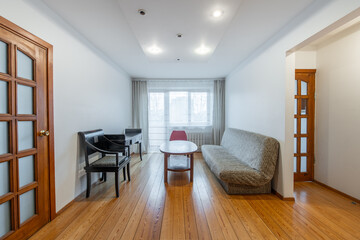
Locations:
column 110, row 161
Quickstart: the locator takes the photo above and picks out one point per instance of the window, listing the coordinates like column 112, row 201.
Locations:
column 156, row 108
column 178, row 108
column 199, row 108
column 178, row 105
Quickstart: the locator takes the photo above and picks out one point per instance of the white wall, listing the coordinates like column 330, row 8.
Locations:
column 305, row 59
column 89, row 91
column 337, row 142
column 259, row 94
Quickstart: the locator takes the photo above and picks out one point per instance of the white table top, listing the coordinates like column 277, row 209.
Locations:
column 178, row 147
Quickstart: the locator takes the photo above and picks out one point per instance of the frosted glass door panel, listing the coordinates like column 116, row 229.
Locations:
column 4, row 178
column 295, row 165
column 5, row 218
column 25, row 66
column 25, row 135
column 26, row 170
column 3, row 97
column 303, row 143
column 304, row 106
column 295, row 145
column 304, row 126
column 295, row 107
column 25, row 97
column 304, row 87
column 27, row 205
column 3, row 57
column 295, row 92
column 295, row 125
column 4, row 137
column 303, row 164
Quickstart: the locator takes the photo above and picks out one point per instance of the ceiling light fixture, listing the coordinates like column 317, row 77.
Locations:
column 154, row 50
column 217, row 13
column 202, row 50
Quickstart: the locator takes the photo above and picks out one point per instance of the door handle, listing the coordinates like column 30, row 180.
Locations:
column 44, row 133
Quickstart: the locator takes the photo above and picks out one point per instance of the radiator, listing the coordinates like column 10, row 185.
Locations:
column 199, row 138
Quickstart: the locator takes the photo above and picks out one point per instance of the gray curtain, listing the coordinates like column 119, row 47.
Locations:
column 219, row 111
column 140, row 110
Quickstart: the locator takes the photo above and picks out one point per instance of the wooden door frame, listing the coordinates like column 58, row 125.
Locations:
column 13, row 28
column 311, row 127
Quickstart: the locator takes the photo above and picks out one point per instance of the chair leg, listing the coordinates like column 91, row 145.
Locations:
column 103, row 176
column 128, row 170
column 88, row 184
column 117, row 183
column 140, row 151
column 124, row 174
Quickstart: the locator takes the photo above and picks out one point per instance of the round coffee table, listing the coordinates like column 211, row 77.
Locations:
column 178, row 148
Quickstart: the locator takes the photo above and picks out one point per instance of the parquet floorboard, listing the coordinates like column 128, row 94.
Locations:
column 150, row 209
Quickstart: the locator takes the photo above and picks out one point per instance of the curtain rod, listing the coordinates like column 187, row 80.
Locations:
column 176, row 79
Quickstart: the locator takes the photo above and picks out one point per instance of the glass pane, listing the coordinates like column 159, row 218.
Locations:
column 295, row 145
column 303, row 145
column 26, row 170
column 156, row 109
column 303, row 164
column 199, row 107
column 5, row 218
column 304, row 86
column 295, row 125
column 4, row 137
column 296, row 88
column 24, row 99
column 304, row 106
column 27, row 205
column 304, row 126
column 24, row 66
column 295, row 165
column 4, row 178
column 178, row 108
column 3, row 97
column 3, row 57
column 295, row 107
column 25, row 135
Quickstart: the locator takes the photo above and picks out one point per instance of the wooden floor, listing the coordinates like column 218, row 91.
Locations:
column 149, row 209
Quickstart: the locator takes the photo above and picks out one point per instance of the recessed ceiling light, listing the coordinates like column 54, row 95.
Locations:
column 154, row 50
column 217, row 13
column 202, row 50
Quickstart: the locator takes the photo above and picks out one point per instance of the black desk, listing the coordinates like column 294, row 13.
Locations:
column 131, row 136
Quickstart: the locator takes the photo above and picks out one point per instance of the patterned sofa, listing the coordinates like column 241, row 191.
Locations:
column 244, row 163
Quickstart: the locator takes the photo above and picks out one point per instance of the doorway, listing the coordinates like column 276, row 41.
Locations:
column 304, row 119
column 27, row 198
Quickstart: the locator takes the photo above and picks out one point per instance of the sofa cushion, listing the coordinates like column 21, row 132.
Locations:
column 231, row 169
column 258, row 151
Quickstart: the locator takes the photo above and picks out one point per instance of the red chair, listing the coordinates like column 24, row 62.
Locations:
column 178, row 135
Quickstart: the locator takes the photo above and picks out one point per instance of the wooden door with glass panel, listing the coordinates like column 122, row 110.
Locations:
column 24, row 149
column 304, row 124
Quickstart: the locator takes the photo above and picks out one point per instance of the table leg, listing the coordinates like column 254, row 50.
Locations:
column 191, row 167
column 165, row 167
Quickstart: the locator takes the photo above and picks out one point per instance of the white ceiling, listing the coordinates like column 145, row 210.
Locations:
column 334, row 34
column 116, row 29
column 164, row 19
